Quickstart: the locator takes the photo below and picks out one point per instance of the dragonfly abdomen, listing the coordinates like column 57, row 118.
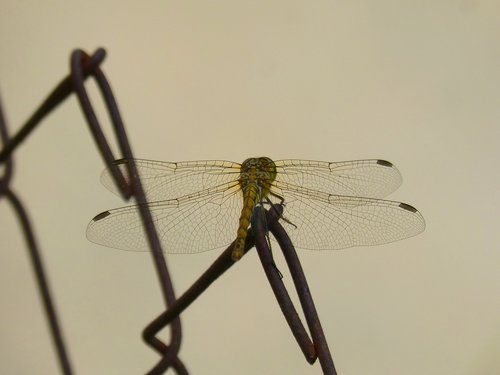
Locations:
column 250, row 197
column 256, row 177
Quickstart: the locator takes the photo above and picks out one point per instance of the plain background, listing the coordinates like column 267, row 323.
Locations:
column 414, row 82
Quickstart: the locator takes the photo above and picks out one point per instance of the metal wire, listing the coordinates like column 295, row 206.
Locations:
column 34, row 254
column 305, row 297
column 317, row 348
column 169, row 353
column 83, row 66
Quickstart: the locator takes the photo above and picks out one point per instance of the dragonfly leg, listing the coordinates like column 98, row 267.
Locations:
column 282, row 202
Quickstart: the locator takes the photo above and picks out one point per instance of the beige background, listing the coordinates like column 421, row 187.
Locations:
column 417, row 83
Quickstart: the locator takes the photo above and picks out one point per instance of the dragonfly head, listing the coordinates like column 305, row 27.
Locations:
column 260, row 171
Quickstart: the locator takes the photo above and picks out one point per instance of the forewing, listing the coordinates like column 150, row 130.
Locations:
column 325, row 221
column 166, row 180
column 202, row 221
column 367, row 178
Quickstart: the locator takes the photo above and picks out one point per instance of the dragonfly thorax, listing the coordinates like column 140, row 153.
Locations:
column 259, row 172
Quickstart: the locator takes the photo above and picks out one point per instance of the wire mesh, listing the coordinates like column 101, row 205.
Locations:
column 82, row 67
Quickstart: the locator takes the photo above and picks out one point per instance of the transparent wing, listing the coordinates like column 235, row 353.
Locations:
column 367, row 178
column 166, row 180
column 194, row 223
column 325, row 221
column 320, row 200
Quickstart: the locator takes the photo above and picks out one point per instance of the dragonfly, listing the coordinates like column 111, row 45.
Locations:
column 204, row 205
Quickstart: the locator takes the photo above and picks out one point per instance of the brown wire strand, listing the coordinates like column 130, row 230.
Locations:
column 35, row 257
column 82, row 67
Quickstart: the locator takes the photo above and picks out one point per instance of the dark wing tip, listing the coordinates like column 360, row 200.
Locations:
column 101, row 216
column 407, row 207
column 385, row 163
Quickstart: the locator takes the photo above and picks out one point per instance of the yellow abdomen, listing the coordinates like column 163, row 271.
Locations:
column 256, row 177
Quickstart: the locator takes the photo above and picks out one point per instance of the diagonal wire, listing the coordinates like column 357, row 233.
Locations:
column 83, row 66
column 35, row 257
column 299, row 279
column 170, row 352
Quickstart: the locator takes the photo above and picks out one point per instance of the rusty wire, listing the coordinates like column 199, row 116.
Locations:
column 315, row 348
column 83, row 66
column 34, row 253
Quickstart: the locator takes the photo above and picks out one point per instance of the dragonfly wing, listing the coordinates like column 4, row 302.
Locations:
column 324, row 221
column 167, row 180
column 367, row 178
column 191, row 224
